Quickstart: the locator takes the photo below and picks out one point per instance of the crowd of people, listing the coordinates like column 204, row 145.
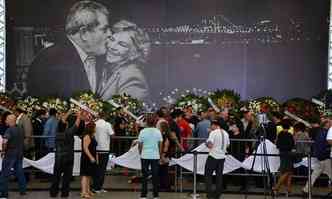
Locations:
column 162, row 135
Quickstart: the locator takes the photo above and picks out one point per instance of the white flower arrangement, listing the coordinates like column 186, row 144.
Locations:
column 29, row 104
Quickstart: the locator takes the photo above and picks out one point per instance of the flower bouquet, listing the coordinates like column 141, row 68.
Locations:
column 198, row 103
column 88, row 99
column 302, row 108
column 29, row 104
column 263, row 105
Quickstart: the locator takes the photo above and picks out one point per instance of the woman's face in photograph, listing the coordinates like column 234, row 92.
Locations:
column 118, row 49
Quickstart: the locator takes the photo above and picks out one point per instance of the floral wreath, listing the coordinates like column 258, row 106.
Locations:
column 302, row 108
column 225, row 98
column 263, row 105
column 198, row 103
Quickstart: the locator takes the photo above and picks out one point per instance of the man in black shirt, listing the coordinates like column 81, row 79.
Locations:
column 64, row 154
column 12, row 153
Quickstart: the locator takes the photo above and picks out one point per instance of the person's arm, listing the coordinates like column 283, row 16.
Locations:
column 46, row 132
column 86, row 143
column 209, row 141
column 173, row 137
column 329, row 136
column 140, row 147
column 140, row 143
column 160, row 149
column 5, row 139
column 28, row 131
column 110, row 129
column 330, row 142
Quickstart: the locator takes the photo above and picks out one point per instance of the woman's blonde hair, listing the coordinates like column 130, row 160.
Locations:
column 140, row 40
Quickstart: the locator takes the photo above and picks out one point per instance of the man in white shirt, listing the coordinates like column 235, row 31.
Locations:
column 217, row 143
column 103, row 135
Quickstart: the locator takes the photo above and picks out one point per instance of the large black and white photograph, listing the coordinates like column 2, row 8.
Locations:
column 144, row 48
column 165, row 98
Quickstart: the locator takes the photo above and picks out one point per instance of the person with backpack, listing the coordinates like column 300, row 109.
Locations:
column 321, row 150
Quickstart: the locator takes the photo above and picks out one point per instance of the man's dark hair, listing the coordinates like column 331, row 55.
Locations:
column 215, row 122
column 276, row 114
column 52, row 112
column 299, row 127
column 20, row 110
column 4, row 116
column 160, row 113
column 150, row 120
column 286, row 124
column 176, row 113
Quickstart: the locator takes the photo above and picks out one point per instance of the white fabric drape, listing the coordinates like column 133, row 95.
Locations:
column 131, row 160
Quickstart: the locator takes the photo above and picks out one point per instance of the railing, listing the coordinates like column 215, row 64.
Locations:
column 121, row 144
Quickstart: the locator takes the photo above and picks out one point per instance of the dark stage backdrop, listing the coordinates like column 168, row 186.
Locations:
column 256, row 47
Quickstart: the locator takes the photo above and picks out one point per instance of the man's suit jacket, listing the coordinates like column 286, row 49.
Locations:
column 25, row 123
column 58, row 71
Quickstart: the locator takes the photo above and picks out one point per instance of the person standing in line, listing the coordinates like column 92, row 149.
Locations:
column 150, row 146
column 217, row 143
column 12, row 153
column 23, row 120
column 321, row 151
column 104, row 131
column 64, row 153
column 202, row 129
column 50, row 129
column 285, row 144
column 88, row 159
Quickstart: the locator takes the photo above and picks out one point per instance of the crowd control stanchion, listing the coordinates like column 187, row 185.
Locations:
column 195, row 195
column 309, row 176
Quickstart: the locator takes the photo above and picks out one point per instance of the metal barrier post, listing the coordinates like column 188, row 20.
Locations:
column 309, row 176
column 195, row 195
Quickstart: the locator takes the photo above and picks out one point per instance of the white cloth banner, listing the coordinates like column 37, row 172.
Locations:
column 131, row 159
column 187, row 161
column 260, row 161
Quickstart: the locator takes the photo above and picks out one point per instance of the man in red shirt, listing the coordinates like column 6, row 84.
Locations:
column 186, row 131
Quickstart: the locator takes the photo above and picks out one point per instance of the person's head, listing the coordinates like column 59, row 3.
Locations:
column 128, row 43
column 204, row 115
column 90, row 129
column 41, row 113
column 286, row 124
column 299, row 127
column 4, row 117
column 164, row 110
column 19, row 110
column 215, row 125
column 247, row 115
column 150, row 120
column 164, row 128
column 52, row 112
column 276, row 116
column 11, row 120
column 211, row 113
column 160, row 113
column 86, row 116
column 88, row 25
column 224, row 113
column 177, row 115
